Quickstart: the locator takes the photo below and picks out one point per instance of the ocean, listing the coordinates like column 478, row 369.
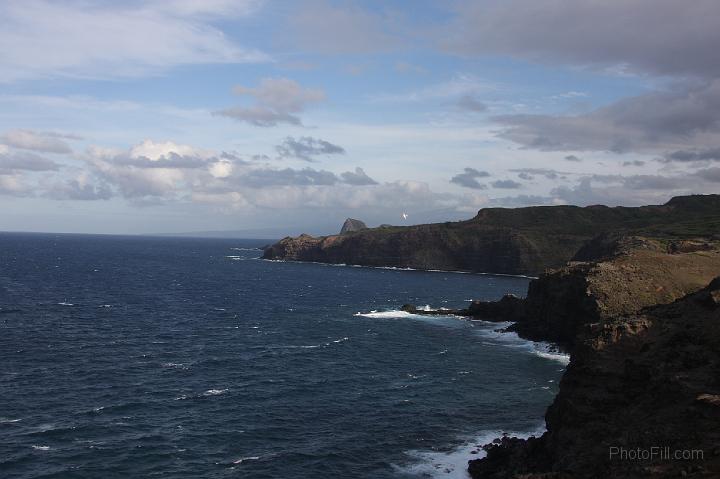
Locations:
column 136, row 357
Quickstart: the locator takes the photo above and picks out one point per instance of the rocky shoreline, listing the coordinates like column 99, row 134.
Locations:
column 641, row 317
column 638, row 309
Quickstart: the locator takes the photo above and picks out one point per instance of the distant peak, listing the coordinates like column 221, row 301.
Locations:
column 351, row 225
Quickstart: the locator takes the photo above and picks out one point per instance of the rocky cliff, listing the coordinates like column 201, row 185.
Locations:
column 643, row 326
column 619, row 275
column 498, row 240
column 640, row 398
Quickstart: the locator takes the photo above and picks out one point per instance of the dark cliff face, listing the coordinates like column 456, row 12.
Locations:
column 639, row 381
column 498, row 240
column 644, row 330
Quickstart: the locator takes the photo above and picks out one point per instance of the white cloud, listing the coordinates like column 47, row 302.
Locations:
column 95, row 39
column 221, row 169
column 277, row 101
column 282, row 94
column 156, row 150
column 13, row 186
column 44, row 142
column 25, row 161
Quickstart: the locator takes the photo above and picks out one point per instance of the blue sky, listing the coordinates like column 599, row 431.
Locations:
column 289, row 116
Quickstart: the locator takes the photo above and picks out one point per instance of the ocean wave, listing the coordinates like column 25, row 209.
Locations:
column 496, row 332
column 215, row 392
column 394, row 314
column 309, row 346
column 175, row 366
column 490, row 330
column 41, row 448
column 453, row 464
column 246, row 249
column 245, row 459
column 4, row 420
column 443, row 320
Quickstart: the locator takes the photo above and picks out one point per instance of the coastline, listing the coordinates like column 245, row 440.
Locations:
column 627, row 291
column 603, row 297
column 395, row 268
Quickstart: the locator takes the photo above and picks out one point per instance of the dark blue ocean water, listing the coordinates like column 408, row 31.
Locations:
column 190, row 358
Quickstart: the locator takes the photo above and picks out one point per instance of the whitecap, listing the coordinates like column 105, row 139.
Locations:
column 215, row 392
column 4, row 420
column 245, row 459
column 392, row 314
column 65, row 303
column 174, row 365
column 41, row 448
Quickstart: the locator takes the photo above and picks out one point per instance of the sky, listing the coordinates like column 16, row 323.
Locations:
column 281, row 117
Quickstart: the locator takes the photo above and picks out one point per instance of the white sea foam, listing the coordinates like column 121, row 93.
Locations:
column 65, row 303
column 245, row 459
column 215, row 392
column 41, row 448
column 490, row 330
column 246, row 249
column 452, row 464
column 495, row 331
column 4, row 420
column 396, row 313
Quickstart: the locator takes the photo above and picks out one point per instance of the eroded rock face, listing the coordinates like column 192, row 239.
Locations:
column 637, row 381
column 623, row 282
